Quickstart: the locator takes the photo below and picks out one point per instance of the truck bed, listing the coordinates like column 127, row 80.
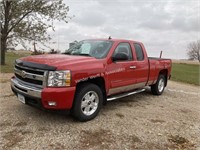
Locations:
column 157, row 64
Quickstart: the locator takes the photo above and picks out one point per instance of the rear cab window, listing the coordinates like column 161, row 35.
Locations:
column 139, row 52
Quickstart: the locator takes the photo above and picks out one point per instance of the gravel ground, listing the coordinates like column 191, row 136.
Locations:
column 142, row 121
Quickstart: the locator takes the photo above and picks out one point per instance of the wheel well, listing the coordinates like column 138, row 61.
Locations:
column 165, row 73
column 100, row 82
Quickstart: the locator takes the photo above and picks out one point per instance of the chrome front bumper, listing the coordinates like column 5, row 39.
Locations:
column 25, row 89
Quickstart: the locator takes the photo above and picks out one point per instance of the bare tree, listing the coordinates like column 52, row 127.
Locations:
column 194, row 50
column 28, row 20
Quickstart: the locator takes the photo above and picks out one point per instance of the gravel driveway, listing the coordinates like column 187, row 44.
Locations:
column 142, row 121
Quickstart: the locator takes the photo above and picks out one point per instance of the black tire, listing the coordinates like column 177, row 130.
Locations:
column 83, row 105
column 158, row 88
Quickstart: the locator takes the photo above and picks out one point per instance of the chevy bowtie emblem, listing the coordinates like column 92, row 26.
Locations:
column 23, row 74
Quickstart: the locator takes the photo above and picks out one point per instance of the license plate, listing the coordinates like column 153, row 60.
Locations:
column 21, row 98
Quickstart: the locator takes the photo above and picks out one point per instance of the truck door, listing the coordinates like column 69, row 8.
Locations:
column 141, row 65
column 121, row 73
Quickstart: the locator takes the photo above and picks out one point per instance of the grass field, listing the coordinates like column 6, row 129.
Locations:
column 10, row 59
column 183, row 72
column 188, row 73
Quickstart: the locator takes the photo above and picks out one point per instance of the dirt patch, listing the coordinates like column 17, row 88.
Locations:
column 56, row 146
column 9, row 95
column 12, row 138
column 4, row 80
column 185, row 111
column 106, row 139
column 43, row 129
column 20, row 124
column 120, row 115
column 157, row 121
column 3, row 125
column 101, row 137
column 180, row 143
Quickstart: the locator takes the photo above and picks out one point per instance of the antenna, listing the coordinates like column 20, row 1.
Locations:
column 160, row 54
column 109, row 38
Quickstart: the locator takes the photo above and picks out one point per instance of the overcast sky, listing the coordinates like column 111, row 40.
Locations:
column 161, row 25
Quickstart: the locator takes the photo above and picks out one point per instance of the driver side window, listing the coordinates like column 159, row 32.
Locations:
column 125, row 49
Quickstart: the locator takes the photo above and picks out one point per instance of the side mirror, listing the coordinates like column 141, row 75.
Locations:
column 120, row 57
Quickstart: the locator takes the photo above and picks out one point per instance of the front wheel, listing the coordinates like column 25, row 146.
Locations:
column 87, row 102
column 158, row 88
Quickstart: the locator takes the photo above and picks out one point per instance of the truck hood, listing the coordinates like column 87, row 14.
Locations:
column 60, row 61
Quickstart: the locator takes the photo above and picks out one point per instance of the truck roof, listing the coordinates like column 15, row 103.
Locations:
column 116, row 40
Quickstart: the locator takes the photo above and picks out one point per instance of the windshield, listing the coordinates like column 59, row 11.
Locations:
column 94, row 48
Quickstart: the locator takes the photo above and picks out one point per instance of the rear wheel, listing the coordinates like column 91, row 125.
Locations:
column 87, row 102
column 158, row 88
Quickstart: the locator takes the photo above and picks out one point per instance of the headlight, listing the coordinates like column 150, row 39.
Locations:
column 59, row 78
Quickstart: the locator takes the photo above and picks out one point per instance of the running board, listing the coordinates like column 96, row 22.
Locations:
column 125, row 94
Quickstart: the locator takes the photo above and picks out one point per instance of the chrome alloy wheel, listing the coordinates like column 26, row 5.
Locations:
column 89, row 103
column 161, row 85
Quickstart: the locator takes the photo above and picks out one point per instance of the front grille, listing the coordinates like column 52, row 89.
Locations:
column 30, row 70
column 29, row 80
column 30, row 76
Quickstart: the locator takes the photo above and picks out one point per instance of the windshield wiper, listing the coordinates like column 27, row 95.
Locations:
column 68, row 53
column 85, row 55
column 81, row 54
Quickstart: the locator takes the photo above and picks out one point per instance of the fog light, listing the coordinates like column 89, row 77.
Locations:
column 52, row 103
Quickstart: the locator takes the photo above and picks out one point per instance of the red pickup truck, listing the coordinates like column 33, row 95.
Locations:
column 87, row 75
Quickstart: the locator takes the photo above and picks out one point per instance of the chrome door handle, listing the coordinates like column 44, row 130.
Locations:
column 132, row 67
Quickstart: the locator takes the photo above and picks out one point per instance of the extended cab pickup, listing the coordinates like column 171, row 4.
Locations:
column 87, row 75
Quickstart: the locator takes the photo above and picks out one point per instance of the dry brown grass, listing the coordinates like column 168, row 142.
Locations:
column 185, row 61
